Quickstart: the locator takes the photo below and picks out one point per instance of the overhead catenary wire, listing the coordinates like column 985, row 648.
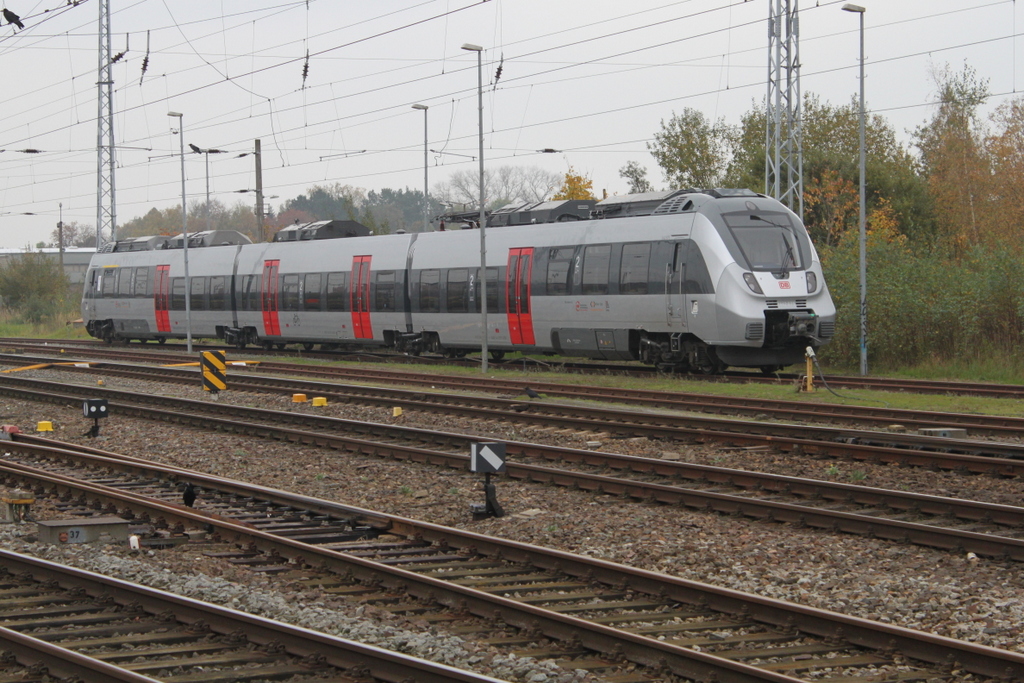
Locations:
column 272, row 117
column 399, row 84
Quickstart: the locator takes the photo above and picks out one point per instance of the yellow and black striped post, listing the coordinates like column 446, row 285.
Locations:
column 214, row 369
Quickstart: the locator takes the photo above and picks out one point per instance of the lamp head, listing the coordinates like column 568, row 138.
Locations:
column 472, row 48
column 850, row 7
column 177, row 114
column 420, row 106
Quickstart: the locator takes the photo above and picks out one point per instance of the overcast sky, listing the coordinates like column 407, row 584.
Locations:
column 592, row 79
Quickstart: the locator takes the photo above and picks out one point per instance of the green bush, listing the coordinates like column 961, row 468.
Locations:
column 924, row 307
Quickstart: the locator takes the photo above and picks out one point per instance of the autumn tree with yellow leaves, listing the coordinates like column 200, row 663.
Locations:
column 575, row 186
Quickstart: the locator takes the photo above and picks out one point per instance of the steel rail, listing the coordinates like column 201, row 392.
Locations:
column 931, row 535
column 991, row 390
column 821, row 623
column 59, row 661
column 597, row 637
column 626, row 422
column 926, row 534
column 990, row 425
column 381, row 664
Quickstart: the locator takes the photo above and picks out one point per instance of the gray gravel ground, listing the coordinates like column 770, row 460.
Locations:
column 974, row 599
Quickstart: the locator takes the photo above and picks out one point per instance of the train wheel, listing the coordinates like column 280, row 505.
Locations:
column 280, row 347
column 267, row 345
column 707, row 364
column 161, row 340
column 308, row 346
column 770, row 369
column 497, row 355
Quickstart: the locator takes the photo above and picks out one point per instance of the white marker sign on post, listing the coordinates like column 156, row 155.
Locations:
column 487, row 457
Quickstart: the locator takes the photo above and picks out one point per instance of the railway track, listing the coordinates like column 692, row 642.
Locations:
column 77, row 625
column 982, row 528
column 98, row 349
column 560, row 604
column 629, row 423
column 1007, row 427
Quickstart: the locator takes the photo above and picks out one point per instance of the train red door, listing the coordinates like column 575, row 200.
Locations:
column 161, row 293
column 360, row 297
column 517, row 295
column 269, row 298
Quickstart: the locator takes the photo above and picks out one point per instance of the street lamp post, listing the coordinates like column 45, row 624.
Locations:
column 207, row 152
column 483, row 232
column 184, row 231
column 848, row 7
column 426, row 201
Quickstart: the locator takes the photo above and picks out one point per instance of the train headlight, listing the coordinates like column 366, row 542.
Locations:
column 752, row 283
column 812, row 282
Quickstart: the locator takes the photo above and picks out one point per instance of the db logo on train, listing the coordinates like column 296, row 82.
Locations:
column 783, row 284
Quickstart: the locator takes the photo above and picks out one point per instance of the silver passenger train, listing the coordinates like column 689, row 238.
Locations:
column 686, row 280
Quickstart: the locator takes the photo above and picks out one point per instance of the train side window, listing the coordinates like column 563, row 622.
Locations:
column 311, row 297
column 142, row 282
column 178, row 294
column 218, row 293
column 337, row 291
column 124, row 283
column 93, row 279
column 109, row 282
column 496, row 293
column 457, row 295
column 559, row 260
column 247, row 295
column 384, row 291
column 698, row 279
column 430, row 291
column 636, row 261
column 289, row 292
column 197, row 301
column 596, row 260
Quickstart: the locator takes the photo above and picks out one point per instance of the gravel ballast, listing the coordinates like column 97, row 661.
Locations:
column 950, row 594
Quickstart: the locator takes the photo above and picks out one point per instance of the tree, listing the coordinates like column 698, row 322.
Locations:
column 155, row 222
column 692, row 151
column 392, row 210
column 74, row 234
column 329, row 202
column 831, row 207
column 636, row 175
column 953, row 158
column 1005, row 150
column 502, row 185
column 34, row 285
column 831, row 135
column 575, row 186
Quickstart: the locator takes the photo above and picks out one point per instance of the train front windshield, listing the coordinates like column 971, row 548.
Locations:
column 766, row 242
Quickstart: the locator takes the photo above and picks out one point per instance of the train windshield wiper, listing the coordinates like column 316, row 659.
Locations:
column 789, row 247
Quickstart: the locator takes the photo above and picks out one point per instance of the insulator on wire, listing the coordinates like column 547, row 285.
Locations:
column 145, row 60
column 121, row 54
column 497, row 74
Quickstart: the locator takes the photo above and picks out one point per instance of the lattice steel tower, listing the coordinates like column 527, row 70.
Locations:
column 106, row 207
column 784, row 153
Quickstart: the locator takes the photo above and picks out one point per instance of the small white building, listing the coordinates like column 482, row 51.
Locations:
column 76, row 259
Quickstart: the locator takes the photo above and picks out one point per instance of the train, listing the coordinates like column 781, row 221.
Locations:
column 685, row 280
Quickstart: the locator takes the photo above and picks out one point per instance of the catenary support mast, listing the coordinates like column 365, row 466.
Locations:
column 106, row 207
column 784, row 160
